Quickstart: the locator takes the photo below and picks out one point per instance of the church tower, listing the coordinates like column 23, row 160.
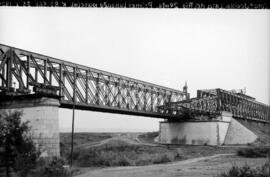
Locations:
column 185, row 90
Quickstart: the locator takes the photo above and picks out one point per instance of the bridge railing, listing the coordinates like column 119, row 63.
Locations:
column 24, row 72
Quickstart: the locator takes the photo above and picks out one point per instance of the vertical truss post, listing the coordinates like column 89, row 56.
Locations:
column 61, row 80
column 165, row 98
column 170, row 97
column 152, row 98
column 128, row 96
column 243, row 110
column 86, row 86
column 251, row 110
column 20, row 83
column 219, row 101
column 27, row 72
column 137, row 96
column 246, row 109
column 256, row 110
column 237, row 106
column 9, row 68
column 45, row 72
column 36, row 74
column 145, row 90
column 158, row 97
column 115, row 96
column 125, row 98
column 97, row 89
column 50, row 76
column 119, row 93
column 3, row 75
column 240, row 108
column 107, row 94
column 2, row 68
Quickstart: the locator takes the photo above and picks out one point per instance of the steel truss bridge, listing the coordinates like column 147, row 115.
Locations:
column 27, row 73
column 213, row 101
column 24, row 73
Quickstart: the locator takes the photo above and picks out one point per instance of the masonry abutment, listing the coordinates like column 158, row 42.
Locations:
column 223, row 130
column 42, row 114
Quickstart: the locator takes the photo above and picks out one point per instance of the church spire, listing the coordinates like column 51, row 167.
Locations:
column 185, row 88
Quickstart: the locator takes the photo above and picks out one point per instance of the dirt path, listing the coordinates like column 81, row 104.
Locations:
column 197, row 167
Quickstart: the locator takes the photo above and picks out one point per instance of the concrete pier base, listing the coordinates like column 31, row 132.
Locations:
column 224, row 130
column 42, row 114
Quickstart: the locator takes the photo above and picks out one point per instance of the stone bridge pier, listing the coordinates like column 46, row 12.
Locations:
column 223, row 130
column 42, row 114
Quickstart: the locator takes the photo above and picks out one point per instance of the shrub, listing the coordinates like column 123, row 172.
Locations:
column 122, row 154
column 247, row 171
column 29, row 162
column 88, row 158
column 253, row 152
column 64, row 149
column 144, row 160
column 19, row 153
column 53, row 167
column 16, row 144
column 101, row 158
column 163, row 159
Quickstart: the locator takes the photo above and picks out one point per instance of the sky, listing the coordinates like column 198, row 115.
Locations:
column 208, row 48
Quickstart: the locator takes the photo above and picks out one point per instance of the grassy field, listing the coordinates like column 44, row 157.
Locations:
column 95, row 150
column 119, row 152
column 79, row 138
column 254, row 151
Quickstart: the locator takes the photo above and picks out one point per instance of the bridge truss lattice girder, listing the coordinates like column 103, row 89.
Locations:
column 87, row 87
column 240, row 106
